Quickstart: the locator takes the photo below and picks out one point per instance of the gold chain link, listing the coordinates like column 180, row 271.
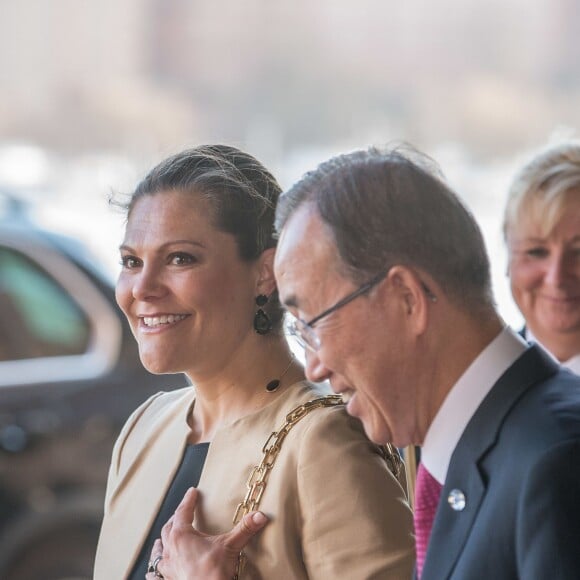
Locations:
column 394, row 462
column 256, row 483
column 258, row 478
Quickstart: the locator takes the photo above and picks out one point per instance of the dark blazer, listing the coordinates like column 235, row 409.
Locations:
column 518, row 466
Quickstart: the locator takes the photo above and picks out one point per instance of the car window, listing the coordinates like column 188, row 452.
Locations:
column 37, row 317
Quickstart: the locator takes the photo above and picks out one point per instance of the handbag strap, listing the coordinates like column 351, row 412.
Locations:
column 256, row 483
column 258, row 478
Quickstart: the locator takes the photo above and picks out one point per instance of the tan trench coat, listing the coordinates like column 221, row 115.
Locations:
column 336, row 511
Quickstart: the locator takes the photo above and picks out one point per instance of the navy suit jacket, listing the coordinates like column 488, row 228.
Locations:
column 518, row 466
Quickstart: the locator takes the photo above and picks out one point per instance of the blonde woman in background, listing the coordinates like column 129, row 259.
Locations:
column 542, row 232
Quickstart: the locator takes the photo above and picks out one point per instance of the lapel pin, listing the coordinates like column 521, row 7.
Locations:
column 456, row 499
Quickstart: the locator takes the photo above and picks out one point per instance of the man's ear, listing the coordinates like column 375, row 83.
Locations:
column 266, row 283
column 415, row 297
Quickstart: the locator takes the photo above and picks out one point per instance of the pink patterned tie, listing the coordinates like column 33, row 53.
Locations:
column 427, row 492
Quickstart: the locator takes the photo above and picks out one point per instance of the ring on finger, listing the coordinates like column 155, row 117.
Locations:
column 152, row 567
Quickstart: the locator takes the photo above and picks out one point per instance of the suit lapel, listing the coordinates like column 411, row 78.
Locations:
column 451, row 527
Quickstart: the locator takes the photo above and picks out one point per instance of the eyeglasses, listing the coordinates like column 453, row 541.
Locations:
column 304, row 331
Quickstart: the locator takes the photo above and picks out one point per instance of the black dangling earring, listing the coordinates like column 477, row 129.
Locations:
column 262, row 322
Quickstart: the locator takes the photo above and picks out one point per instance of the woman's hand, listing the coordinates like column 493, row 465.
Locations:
column 183, row 553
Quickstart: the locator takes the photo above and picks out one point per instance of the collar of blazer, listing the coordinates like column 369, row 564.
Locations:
column 479, row 436
column 149, row 453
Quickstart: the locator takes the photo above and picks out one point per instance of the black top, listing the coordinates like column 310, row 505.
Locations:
column 187, row 476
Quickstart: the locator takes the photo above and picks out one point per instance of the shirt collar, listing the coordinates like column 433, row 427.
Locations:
column 465, row 397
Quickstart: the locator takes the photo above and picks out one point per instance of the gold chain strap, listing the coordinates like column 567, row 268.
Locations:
column 256, row 483
column 394, row 462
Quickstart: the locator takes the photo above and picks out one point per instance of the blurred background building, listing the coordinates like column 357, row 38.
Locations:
column 93, row 93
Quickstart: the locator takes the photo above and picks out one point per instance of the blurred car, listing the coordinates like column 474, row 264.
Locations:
column 69, row 377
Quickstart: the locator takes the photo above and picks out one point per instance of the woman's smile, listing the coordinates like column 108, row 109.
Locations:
column 159, row 321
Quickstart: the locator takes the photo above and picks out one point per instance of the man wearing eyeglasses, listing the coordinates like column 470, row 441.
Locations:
column 387, row 278
column 386, row 275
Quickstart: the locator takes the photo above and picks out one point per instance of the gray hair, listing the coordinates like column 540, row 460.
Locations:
column 389, row 207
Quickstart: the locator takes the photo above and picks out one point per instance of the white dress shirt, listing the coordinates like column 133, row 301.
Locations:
column 572, row 364
column 465, row 397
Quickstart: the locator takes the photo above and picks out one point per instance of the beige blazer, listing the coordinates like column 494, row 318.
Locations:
column 336, row 511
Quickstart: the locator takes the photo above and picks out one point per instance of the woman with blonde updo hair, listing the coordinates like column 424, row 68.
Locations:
column 542, row 232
